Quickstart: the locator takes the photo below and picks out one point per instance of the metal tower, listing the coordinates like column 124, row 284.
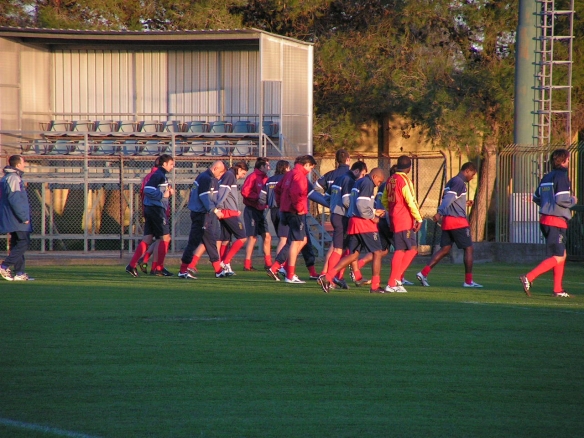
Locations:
column 554, row 76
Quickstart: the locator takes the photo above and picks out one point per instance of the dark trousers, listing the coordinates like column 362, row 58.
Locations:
column 19, row 243
column 205, row 228
column 307, row 251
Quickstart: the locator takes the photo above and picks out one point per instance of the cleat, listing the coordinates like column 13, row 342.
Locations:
column 405, row 282
column 228, row 271
column 390, row 290
column 423, row 280
column 250, row 269
column 294, row 280
column 220, row 274
column 473, row 284
column 272, row 275
column 342, row 284
column 352, row 275
column 282, row 273
column 562, row 294
column 186, row 275
column 313, row 277
column 7, row 274
column 193, row 271
column 399, row 287
column 22, row 277
column 324, row 284
column 526, row 285
column 132, row 271
column 165, row 273
column 362, row 282
column 378, row 290
column 143, row 266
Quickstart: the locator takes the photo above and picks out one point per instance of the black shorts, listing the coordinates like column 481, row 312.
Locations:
column 404, row 240
column 364, row 242
column 255, row 222
column 339, row 223
column 232, row 226
column 155, row 221
column 281, row 229
column 385, row 233
column 555, row 239
column 297, row 224
column 460, row 236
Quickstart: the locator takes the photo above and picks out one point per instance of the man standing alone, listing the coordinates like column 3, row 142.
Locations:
column 15, row 218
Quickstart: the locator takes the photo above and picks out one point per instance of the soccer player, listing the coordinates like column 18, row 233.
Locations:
column 156, row 196
column 554, row 198
column 362, row 231
column 205, row 217
column 340, row 196
column 404, row 220
column 231, row 223
column 15, row 219
column 292, row 197
column 455, row 227
column 268, row 197
column 253, row 214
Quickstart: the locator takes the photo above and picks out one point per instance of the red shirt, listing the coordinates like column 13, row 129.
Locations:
column 553, row 221
column 252, row 186
column 292, row 191
column 454, row 223
column 358, row 225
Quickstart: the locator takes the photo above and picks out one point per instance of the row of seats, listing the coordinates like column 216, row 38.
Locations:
column 136, row 147
column 269, row 128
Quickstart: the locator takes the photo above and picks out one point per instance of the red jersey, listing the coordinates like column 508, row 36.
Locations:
column 292, row 191
column 401, row 203
column 251, row 189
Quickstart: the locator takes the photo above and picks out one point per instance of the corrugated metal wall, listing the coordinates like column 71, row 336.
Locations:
column 9, row 85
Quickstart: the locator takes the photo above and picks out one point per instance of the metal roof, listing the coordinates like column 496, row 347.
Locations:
column 71, row 36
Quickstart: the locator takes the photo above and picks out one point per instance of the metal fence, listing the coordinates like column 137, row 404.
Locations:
column 92, row 203
column 519, row 170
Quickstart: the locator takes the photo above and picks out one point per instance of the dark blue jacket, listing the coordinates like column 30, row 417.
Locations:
column 14, row 205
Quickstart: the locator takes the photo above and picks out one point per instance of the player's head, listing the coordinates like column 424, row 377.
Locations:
column 307, row 161
column 263, row 164
column 166, row 162
column 218, row 169
column 15, row 161
column 560, row 158
column 282, row 166
column 359, row 169
column 342, row 156
column 404, row 164
column 240, row 169
column 468, row 171
column 377, row 175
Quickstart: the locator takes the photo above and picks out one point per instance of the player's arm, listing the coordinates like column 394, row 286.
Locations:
column 563, row 195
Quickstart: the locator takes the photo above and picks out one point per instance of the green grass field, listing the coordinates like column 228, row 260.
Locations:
column 91, row 351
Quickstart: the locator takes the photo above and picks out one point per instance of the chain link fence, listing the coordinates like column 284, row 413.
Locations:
column 90, row 203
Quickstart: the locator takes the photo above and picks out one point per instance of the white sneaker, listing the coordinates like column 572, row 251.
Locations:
column 221, row 274
column 227, row 269
column 294, row 280
column 405, row 282
column 186, row 275
column 22, row 277
column 423, row 279
column 473, row 284
column 390, row 289
column 6, row 274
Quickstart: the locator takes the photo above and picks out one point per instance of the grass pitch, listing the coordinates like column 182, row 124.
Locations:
column 91, row 351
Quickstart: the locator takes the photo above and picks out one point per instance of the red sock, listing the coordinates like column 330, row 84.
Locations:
column 247, row 264
column 375, row 280
column 140, row 250
column 333, row 260
column 232, row 251
column 361, row 263
column 396, row 263
column 290, row 272
column 331, row 274
column 543, row 267
column 183, row 268
column 155, row 266
column 407, row 261
column 162, row 250
column 268, row 260
column 426, row 271
column 193, row 263
column 358, row 275
column 275, row 267
column 146, row 257
column 468, row 278
column 311, row 271
column 223, row 251
column 559, row 276
column 217, row 266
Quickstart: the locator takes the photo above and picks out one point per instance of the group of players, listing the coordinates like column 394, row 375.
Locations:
column 370, row 211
